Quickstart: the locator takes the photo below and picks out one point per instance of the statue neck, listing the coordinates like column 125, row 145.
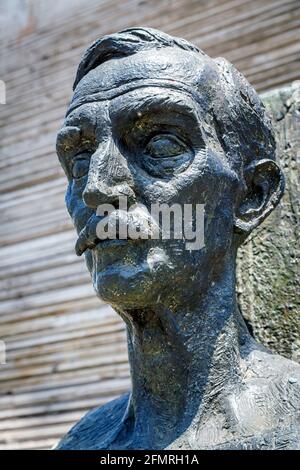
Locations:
column 184, row 360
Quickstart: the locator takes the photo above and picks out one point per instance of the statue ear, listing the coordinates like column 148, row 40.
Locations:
column 265, row 186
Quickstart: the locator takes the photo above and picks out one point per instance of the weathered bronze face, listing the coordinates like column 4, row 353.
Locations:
column 153, row 139
column 155, row 120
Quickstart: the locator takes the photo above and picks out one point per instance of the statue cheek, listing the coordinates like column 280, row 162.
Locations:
column 90, row 265
column 77, row 209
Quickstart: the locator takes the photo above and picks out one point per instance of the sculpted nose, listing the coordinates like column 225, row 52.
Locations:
column 109, row 178
column 103, row 194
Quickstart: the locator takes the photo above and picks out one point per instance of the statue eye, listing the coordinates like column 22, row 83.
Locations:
column 80, row 166
column 164, row 146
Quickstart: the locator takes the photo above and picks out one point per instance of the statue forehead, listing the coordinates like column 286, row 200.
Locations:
column 138, row 100
column 168, row 64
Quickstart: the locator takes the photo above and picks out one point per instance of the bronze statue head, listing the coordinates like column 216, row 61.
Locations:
column 156, row 121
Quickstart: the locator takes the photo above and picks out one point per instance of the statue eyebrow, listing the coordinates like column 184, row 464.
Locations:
column 66, row 140
column 147, row 104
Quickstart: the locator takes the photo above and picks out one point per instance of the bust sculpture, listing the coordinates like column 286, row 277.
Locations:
column 154, row 119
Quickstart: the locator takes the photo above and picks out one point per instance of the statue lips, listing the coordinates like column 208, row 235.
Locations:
column 88, row 238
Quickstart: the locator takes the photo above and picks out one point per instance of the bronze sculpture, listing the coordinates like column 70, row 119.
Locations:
column 154, row 119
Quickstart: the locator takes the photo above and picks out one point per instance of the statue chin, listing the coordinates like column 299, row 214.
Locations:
column 123, row 286
column 129, row 285
column 140, row 275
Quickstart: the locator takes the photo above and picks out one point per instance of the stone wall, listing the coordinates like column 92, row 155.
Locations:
column 268, row 263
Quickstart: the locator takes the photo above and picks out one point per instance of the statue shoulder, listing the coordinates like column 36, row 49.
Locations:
column 265, row 410
column 96, row 428
column 278, row 379
column 273, row 366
